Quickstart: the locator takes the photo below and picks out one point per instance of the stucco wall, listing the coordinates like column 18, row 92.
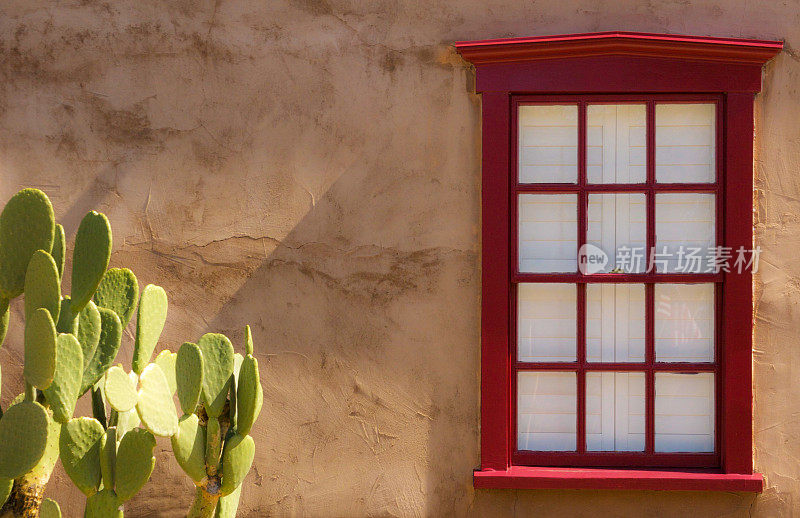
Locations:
column 311, row 167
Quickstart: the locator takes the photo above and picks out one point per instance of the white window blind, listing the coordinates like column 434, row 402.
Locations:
column 548, row 144
column 615, row 221
column 615, row 411
column 546, row 411
column 685, row 147
column 546, row 325
column 548, row 232
column 684, row 322
column 684, row 412
column 616, row 139
column 615, row 322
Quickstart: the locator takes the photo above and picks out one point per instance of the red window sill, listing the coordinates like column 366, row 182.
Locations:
column 519, row 477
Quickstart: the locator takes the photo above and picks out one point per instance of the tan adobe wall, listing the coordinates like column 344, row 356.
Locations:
column 312, row 167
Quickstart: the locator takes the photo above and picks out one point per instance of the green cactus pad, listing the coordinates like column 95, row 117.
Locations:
column 248, row 340
column 80, row 446
column 27, row 224
column 217, row 371
column 67, row 322
column 42, row 285
column 49, row 509
column 6, row 484
column 23, row 438
column 120, row 392
column 119, row 292
column 228, row 504
column 103, row 504
column 89, row 329
column 107, row 349
column 237, row 458
column 166, row 360
column 40, row 349
column 135, row 463
column 89, row 258
column 156, row 407
column 62, row 394
column 189, row 447
column 108, row 457
column 59, row 251
column 149, row 324
column 127, row 421
column 249, row 396
column 5, row 315
column 50, row 456
column 189, row 376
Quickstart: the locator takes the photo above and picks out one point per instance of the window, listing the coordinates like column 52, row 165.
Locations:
column 615, row 365
column 612, row 341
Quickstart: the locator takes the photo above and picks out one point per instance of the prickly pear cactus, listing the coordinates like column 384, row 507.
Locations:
column 27, row 224
column 221, row 397
column 67, row 341
column 50, row 509
column 89, row 258
column 70, row 345
column 114, row 456
column 149, row 324
column 119, row 292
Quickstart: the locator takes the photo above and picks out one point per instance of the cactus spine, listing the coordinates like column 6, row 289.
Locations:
column 212, row 445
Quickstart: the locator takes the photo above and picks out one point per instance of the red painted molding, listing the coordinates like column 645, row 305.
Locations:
column 518, row 477
column 730, row 50
column 613, row 67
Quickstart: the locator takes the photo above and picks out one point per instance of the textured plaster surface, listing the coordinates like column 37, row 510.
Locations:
column 311, row 167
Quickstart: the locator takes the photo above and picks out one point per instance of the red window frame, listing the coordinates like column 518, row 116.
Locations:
column 580, row 457
column 616, row 67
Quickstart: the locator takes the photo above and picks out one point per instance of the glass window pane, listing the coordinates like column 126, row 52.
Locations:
column 548, row 232
column 684, row 322
column 616, row 143
column 685, row 225
column 546, row 411
column 546, row 322
column 615, row 411
column 685, row 143
column 617, row 222
column 615, row 322
column 548, row 144
column 684, row 412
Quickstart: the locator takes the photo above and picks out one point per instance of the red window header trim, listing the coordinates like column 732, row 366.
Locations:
column 731, row 50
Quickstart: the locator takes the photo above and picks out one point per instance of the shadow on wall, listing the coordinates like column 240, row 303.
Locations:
column 368, row 358
column 370, row 364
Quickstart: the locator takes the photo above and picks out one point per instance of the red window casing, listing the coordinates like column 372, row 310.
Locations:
column 616, row 68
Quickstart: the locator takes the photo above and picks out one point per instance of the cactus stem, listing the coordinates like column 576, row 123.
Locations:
column 26, row 497
column 113, row 418
column 204, row 503
column 30, row 392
